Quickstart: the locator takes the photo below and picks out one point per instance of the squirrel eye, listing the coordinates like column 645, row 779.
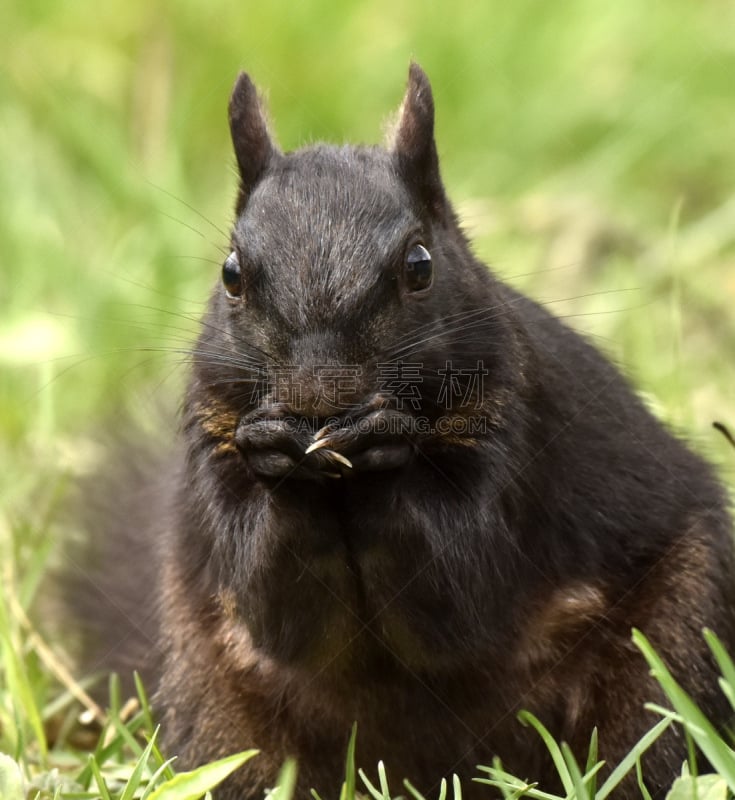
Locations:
column 232, row 275
column 419, row 271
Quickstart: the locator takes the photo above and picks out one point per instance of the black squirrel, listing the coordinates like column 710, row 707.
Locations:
column 406, row 495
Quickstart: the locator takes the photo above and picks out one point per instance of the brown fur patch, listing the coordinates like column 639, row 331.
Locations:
column 217, row 419
column 559, row 621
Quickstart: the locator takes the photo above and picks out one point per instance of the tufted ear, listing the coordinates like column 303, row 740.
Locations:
column 413, row 147
column 253, row 146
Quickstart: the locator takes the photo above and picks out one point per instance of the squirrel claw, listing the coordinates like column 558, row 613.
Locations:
column 320, row 434
column 335, row 456
column 317, row 445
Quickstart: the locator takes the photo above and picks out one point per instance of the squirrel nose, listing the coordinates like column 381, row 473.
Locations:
column 318, row 389
column 317, row 383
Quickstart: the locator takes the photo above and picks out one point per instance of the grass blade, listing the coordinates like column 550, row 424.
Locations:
column 630, row 760
column 348, row 788
column 98, row 778
column 373, row 791
column 135, row 779
column 724, row 662
column 195, row 784
column 286, row 784
column 717, row 752
column 591, row 767
column 164, row 769
column 555, row 751
column 645, row 794
column 412, row 790
column 511, row 786
column 20, row 690
column 144, row 702
column 580, row 789
column 383, row 778
column 114, row 690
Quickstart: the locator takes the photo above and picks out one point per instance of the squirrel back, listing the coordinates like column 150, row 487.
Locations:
column 409, row 496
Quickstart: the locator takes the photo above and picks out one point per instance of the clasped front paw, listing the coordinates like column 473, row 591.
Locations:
column 274, row 446
column 377, row 441
column 279, row 446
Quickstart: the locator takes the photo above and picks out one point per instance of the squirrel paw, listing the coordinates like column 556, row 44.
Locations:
column 275, row 448
column 379, row 440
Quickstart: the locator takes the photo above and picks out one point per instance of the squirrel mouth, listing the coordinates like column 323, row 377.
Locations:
column 280, row 444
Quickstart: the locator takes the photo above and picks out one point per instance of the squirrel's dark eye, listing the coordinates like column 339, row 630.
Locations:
column 232, row 275
column 418, row 270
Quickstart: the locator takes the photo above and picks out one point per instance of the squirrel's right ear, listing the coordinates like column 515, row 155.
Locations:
column 253, row 146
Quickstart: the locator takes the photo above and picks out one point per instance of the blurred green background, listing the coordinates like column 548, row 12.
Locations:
column 588, row 145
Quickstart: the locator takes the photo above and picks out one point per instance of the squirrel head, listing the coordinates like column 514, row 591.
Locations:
column 341, row 254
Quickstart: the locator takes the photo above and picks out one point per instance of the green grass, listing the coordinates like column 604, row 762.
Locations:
column 588, row 146
column 126, row 763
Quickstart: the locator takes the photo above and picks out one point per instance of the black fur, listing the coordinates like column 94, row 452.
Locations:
column 447, row 579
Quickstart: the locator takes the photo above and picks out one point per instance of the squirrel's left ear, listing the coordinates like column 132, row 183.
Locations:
column 413, row 146
column 253, row 145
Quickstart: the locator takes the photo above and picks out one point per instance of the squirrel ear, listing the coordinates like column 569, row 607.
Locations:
column 250, row 138
column 413, row 146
